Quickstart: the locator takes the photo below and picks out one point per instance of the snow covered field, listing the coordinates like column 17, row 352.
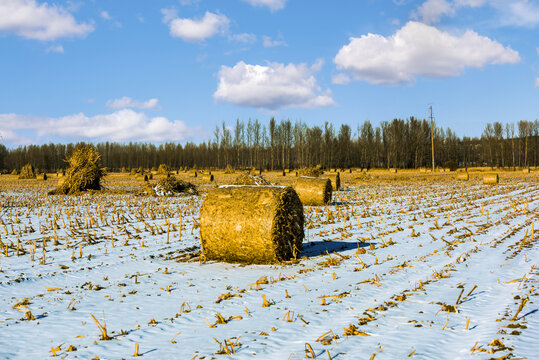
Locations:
column 430, row 270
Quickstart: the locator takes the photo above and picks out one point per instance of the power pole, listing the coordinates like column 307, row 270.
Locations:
column 432, row 138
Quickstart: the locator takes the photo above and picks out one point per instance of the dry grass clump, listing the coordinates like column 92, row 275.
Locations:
column 315, row 171
column 27, row 172
column 246, row 179
column 84, row 172
column 169, row 186
column 229, row 169
column 248, row 224
column 314, row 191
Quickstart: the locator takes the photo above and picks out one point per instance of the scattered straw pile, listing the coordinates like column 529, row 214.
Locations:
column 314, row 191
column 27, row 172
column 251, row 224
column 491, row 179
column 169, row 186
column 246, row 179
column 83, row 173
column 463, row 176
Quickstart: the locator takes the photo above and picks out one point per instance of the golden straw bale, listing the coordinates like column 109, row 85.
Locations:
column 207, row 177
column 393, row 170
column 463, row 176
column 335, row 181
column 314, row 191
column 27, row 172
column 251, row 224
column 491, row 179
column 526, row 170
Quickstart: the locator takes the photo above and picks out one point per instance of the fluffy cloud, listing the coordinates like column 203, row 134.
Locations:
column 244, row 38
column 271, row 87
column 31, row 20
column 195, row 30
column 273, row 5
column 126, row 102
column 122, row 125
column 419, row 50
column 511, row 12
column 340, row 79
column 56, row 48
column 537, row 82
column 432, row 10
column 268, row 42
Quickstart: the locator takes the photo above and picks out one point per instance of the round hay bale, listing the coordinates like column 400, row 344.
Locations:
column 491, row 179
column 526, row 170
column 42, row 176
column 463, row 176
column 393, row 170
column 207, row 177
column 251, row 224
column 314, row 191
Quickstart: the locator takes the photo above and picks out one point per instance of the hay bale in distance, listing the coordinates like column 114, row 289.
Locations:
column 314, row 171
column 27, row 172
column 393, row 170
column 491, row 179
column 251, row 224
column 246, row 179
column 526, row 170
column 463, row 176
column 314, row 191
column 163, row 169
column 84, row 172
column 169, row 186
column 42, row 177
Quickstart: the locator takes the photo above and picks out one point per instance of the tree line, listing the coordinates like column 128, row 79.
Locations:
column 400, row 143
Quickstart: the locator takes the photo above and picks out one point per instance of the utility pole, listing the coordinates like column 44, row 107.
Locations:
column 432, row 138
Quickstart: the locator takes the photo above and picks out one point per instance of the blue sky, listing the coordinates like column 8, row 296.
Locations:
column 138, row 70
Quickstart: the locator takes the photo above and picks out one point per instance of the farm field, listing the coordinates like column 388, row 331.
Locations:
column 399, row 265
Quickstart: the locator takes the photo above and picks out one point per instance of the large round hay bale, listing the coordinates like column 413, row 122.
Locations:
column 491, row 179
column 251, row 224
column 314, row 191
column 463, row 176
column 526, row 170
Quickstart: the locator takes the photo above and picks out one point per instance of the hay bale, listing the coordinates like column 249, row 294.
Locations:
column 526, row 170
column 27, row 172
column 42, row 176
column 246, row 179
column 163, row 169
column 84, row 172
column 338, row 182
column 251, row 224
column 314, row 191
column 169, row 186
column 207, row 177
column 393, row 171
column 463, row 176
column 491, row 179
column 314, row 171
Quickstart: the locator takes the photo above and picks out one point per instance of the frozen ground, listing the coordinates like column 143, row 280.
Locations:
column 427, row 270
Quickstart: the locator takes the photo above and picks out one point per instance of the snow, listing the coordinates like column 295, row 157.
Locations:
column 464, row 234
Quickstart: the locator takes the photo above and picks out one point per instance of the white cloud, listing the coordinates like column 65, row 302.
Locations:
column 122, row 125
column 511, row 12
column 126, row 102
column 195, row 30
column 340, row 79
column 419, row 50
column 56, row 49
column 31, row 20
column 244, row 38
column 105, row 15
column 268, row 42
column 271, row 87
column 432, row 10
column 273, row 5
column 537, row 82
